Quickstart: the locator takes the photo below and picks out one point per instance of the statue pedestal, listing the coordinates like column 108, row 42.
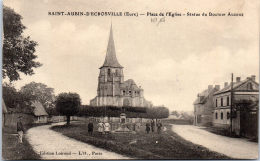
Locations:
column 122, row 126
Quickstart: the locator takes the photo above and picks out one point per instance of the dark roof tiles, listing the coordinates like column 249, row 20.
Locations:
column 111, row 60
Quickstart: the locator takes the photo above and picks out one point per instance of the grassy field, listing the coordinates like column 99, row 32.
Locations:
column 12, row 150
column 167, row 145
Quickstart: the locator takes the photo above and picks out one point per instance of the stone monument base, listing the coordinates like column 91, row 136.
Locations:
column 123, row 129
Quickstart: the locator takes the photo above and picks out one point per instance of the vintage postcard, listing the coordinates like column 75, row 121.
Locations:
column 128, row 80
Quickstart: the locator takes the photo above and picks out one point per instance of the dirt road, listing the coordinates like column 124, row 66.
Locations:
column 233, row 147
column 52, row 145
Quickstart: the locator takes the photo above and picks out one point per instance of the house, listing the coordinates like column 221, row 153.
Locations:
column 204, row 105
column 39, row 112
column 10, row 116
column 244, row 101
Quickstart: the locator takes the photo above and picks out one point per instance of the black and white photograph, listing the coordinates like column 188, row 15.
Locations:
column 130, row 80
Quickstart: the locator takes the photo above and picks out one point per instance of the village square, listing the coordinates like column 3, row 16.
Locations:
column 113, row 103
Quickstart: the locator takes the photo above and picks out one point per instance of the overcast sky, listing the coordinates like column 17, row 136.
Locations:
column 172, row 61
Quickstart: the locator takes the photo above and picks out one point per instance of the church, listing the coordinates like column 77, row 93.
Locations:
column 112, row 89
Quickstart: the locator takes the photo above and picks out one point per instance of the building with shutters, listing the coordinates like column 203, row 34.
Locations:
column 245, row 98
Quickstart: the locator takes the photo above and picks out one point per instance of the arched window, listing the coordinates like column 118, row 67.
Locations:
column 216, row 102
column 221, row 115
column 117, row 72
column 216, row 115
column 221, row 101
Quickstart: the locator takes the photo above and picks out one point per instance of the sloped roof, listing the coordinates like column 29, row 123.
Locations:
column 235, row 85
column 39, row 109
column 111, row 60
column 202, row 97
column 4, row 108
column 129, row 83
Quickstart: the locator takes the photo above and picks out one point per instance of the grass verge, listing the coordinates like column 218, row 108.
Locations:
column 167, row 145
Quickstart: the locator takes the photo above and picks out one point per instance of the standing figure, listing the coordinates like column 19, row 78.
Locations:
column 90, row 127
column 20, row 129
column 152, row 125
column 100, row 127
column 147, row 127
column 138, row 126
column 134, row 125
column 107, row 128
column 159, row 126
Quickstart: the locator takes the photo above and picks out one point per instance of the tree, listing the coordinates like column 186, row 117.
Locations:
column 15, row 100
column 68, row 104
column 157, row 112
column 175, row 113
column 131, row 112
column 18, row 51
column 10, row 95
column 40, row 92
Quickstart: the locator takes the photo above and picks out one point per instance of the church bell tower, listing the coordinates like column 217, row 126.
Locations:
column 111, row 72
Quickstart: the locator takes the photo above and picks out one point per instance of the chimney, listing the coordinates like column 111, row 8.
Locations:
column 253, row 77
column 210, row 87
column 217, row 87
column 238, row 79
column 226, row 84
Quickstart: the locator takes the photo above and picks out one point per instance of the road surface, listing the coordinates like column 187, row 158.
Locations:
column 53, row 145
column 238, row 148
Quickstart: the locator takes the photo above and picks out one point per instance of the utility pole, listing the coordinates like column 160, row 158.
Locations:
column 231, row 103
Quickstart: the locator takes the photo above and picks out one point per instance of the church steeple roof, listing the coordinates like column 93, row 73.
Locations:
column 111, row 60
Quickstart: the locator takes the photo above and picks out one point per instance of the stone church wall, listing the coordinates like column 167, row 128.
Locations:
column 120, row 101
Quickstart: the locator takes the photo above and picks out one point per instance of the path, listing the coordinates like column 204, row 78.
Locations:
column 53, row 145
column 233, row 147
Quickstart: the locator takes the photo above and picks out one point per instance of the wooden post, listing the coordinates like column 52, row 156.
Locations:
column 231, row 104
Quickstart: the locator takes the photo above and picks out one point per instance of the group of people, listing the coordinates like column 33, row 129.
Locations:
column 150, row 126
column 103, row 127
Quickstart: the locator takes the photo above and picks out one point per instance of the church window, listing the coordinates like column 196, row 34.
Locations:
column 108, row 71
column 221, row 115
column 117, row 72
column 221, row 101
column 216, row 115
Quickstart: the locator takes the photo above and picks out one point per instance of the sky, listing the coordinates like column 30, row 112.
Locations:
column 173, row 61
